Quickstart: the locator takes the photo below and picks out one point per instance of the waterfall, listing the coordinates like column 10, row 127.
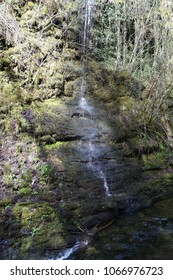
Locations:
column 97, row 169
column 88, row 8
column 84, row 105
column 106, row 187
column 89, row 4
column 68, row 252
column 89, row 147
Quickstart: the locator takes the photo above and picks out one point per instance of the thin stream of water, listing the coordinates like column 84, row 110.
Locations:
column 83, row 103
column 90, row 110
column 89, row 4
column 68, row 252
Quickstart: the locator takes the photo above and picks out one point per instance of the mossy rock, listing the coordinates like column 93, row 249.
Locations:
column 108, row 85
column 52, row 117
column 126, row 103
column 40, row 226
column 56, row 145
column 71, row 88
column 143, row 145
column 6, row 202
column 156, row 160
column 72, row 71
column 161, row 209
column 47, row 139
column 4, row 63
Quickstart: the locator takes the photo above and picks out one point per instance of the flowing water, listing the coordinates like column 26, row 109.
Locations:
column 89, row 5
column 84, row 105
column 89, row 148
column 145, row 235
column 148, row 234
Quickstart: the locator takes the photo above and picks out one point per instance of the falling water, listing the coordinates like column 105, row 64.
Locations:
column 90, row 110
column 83, row 103
column 97, row 169
column 64, row 255
column 106, row 187
column 89, row 4
column 68, row 252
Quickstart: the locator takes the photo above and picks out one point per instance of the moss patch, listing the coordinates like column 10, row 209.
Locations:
column 40, row 226
column 57, row 145
column 157, row 160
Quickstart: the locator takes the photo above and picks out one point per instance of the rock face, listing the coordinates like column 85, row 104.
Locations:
column 70, row 158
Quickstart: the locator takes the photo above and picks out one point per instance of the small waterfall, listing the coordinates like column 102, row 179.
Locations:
column 68, row 252
column 106, row 187
column 97, row 169
column 83, row 103
column 90, row 149
column 89, row 5
column 64, row 255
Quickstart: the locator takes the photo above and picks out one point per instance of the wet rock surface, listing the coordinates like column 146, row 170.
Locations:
column 71, row 157
column 81, row 153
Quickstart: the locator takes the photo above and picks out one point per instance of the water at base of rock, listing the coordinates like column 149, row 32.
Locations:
column 68, row 252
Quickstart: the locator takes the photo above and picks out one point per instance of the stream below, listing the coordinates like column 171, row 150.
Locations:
column 144, row 235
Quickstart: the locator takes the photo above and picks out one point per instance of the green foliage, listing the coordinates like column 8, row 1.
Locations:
column 7, row 167
column 8, row 180
column 56, row 145
column 46, row 170
column 134, row 35
column 24, row 191
column 6, row 202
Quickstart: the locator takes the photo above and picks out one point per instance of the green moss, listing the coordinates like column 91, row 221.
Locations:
column 4, row 63
column 25, row 191
column 8, row 180
column 46, row 170
column 48, row 117
column 126, row 103
column 56, row 145
column 30, row 5
column 7, row 167
column 42, row 223
column 47, row 139
column 26, row 244
column 157, row 160
column 5, row 202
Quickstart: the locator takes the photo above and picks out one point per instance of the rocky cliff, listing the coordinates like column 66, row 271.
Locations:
column 53, row 153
